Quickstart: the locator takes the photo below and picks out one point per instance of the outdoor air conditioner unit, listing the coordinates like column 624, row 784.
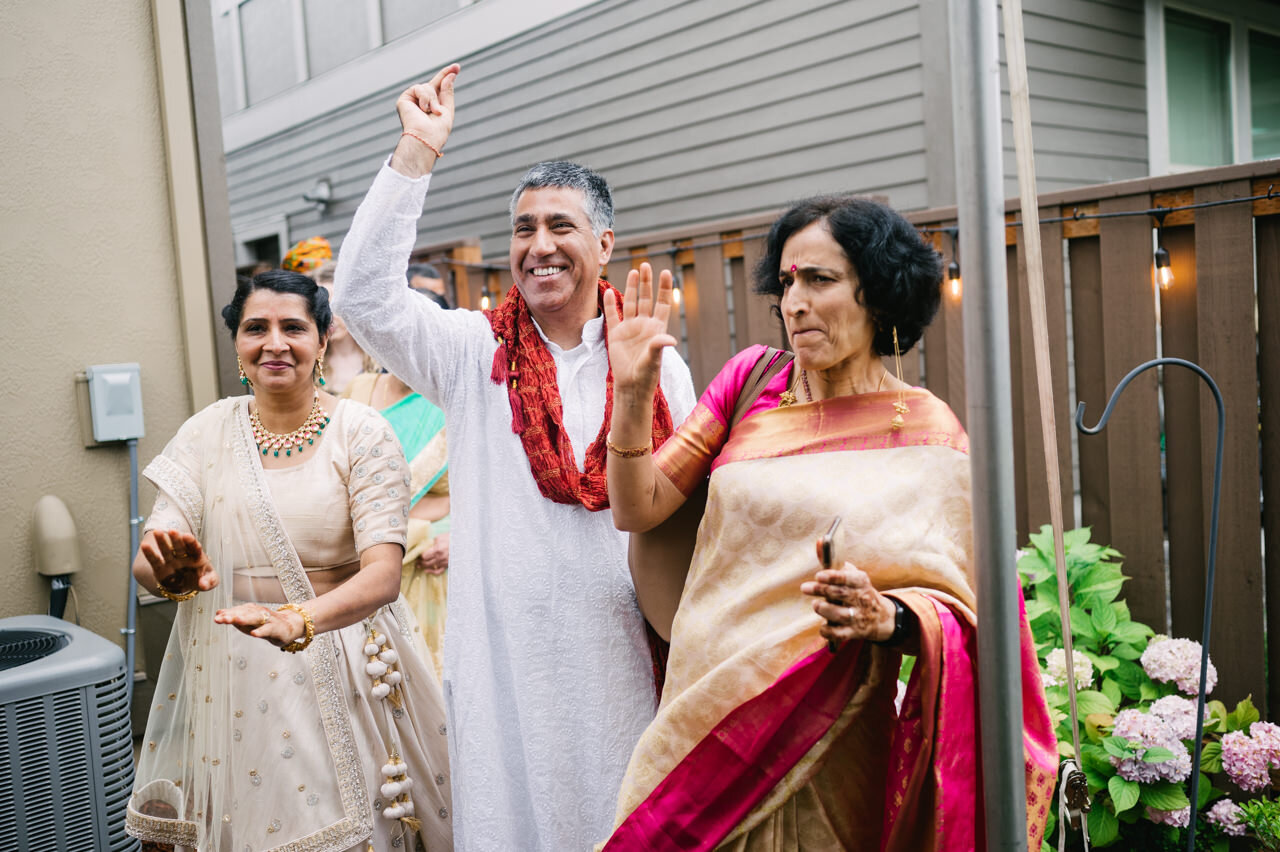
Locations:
column 65, row 739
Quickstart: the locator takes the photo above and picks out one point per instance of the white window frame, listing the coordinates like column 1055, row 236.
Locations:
column 1247, row 15
column 276, row 226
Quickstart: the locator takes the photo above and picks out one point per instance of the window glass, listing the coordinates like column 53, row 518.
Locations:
column 337, row 31
column 1197, row 56
column 1264, row 93
column 400, row 17
column 223, row 35
column 266, row 31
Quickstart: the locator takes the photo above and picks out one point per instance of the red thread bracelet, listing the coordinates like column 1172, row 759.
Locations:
column 432, row 148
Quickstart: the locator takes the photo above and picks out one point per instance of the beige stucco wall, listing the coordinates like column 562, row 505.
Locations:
column 87, row 275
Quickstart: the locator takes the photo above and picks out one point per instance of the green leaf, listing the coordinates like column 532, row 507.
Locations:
column 1104, row 828
column 1117, row 747
column 1130, row 677
column 1123, row 793
column 1100, row 662
column 1082, row 626
column 1215, row 716
column 1243, row 716
column 1073, row 539
column 1091, row 701
column 1112, row 690
column 1164, row 796
column 1133, row 632
column 1206, row 792
column 1148, row 692
column 1104, row 620
column 1125, row 651
column 1211, row 757
column 1157, row 754
column 1037, row 608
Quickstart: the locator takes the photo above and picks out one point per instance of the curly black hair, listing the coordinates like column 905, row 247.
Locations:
column 281, row 281
column 899, row 276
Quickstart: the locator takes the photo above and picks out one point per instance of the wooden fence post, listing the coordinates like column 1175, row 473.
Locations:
column 1227, row 346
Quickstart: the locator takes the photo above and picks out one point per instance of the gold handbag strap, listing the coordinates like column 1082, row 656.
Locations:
column 772, row 362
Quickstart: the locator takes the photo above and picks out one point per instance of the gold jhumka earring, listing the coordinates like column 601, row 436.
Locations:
column 244, row 380
column 901, row 405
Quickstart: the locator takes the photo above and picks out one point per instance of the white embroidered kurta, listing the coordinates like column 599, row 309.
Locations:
column 547, row 675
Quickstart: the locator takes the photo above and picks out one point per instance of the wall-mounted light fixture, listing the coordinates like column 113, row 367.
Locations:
column 953, row 268
column 321, row 195
column 953, row 276
column 1164, row 271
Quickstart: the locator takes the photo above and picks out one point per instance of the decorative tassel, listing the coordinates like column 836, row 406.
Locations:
column 412, row 823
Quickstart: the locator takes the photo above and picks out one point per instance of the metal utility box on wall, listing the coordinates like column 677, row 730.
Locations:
column 115, row 401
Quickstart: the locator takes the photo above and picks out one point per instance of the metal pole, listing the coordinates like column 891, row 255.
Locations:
column 131, row 605
column 975, row 104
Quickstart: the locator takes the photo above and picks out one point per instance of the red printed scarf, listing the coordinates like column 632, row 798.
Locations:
column 524, row 364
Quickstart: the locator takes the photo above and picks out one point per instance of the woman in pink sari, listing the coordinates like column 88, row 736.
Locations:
column 777, row 728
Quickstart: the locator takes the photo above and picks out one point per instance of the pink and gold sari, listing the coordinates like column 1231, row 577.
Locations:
column 764, row 739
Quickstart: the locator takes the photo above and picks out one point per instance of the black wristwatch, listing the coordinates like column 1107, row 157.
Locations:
column 901, row 626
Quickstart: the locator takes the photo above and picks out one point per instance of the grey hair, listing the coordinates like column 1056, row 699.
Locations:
column 561, row 173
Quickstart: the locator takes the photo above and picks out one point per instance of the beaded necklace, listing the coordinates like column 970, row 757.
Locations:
column 305, row 434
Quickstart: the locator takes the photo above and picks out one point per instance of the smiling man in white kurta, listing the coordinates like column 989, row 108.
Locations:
column 547, row 677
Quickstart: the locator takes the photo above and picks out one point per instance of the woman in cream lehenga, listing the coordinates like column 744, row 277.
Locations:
column 424, row 579
column 295, row 708
column 777, row 728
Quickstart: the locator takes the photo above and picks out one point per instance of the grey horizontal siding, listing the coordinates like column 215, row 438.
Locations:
column 693, row 111
column 1086, row 70
column 709, row 109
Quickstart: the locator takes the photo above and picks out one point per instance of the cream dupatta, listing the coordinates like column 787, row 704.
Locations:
column 201, row 773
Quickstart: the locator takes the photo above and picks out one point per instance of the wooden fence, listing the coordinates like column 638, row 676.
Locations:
column 1144, row 483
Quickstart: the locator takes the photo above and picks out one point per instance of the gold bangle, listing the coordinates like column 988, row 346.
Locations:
column 185, row 596
column 308, row 626
column 625, row 452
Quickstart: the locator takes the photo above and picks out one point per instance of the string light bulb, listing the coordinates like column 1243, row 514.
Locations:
column 1164, row 271
column 485, row 301
column 953, row 275
column 676, row 295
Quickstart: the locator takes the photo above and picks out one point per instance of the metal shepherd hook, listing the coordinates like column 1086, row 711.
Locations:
column 1213, row 551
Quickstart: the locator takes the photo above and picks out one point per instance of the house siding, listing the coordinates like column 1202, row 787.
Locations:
column 710, row 109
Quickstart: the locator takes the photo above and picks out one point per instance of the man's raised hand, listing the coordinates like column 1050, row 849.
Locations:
column 426, row 116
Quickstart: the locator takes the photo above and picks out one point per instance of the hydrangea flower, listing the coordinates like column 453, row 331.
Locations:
column 1180, row 715
column 1145, row 730
column 1177, row 660
column 1180, row 818
column 1055, row 673
column 1245, row 762
column 1226, row 815
column 1266, row 737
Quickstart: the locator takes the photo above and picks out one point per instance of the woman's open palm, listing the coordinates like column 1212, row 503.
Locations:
column 637, row 338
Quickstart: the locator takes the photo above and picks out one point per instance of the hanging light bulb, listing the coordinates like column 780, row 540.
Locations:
column 953, row 275
column 1164, row 272
column 676, row 295
column 485, row 301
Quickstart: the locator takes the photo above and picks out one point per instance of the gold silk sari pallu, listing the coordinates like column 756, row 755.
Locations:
column 763, row 739
column 248, row 747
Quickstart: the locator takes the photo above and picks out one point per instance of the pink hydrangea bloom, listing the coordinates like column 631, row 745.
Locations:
column 1245, row 763
column 1179, row 714
column 1226, row 815
column 1177, row 660
column 1180, row 818
column 1266, row 737
column 1146, row 731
